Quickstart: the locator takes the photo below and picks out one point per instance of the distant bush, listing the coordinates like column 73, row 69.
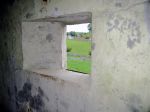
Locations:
column 69, row 49
column 87, row 37
column 89, row 53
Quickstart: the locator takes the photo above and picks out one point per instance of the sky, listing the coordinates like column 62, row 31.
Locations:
column 78, row 27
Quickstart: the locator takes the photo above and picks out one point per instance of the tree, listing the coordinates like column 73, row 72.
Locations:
column 90, row 27
column 73, row 34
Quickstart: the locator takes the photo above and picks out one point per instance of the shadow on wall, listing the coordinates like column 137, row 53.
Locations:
column 3, row 108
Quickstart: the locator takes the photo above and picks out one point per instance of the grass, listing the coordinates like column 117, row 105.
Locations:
column 81, row 48
column 79, row 66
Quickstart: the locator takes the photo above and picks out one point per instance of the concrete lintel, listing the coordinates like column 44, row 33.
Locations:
column 76, row 18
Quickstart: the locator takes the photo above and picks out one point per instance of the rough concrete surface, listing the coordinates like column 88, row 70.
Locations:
column 119, row 81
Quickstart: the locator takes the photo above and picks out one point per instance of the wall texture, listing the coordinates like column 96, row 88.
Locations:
column 120, row 79
column 41, row 45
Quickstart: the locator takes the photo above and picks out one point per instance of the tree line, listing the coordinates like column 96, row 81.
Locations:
column 84, row 35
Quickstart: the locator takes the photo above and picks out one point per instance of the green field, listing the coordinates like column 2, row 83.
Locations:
column 79, row 59
column 79, row 46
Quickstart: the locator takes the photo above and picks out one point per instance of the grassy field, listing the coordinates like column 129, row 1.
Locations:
column 81, row 48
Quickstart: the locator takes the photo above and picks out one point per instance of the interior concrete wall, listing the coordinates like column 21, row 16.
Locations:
column 120, row 59
column 42, row 45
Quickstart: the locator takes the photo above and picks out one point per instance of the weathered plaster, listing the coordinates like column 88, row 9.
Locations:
column 120, row 59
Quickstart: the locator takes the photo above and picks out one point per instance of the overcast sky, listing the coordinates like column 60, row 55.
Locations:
column 78, row 27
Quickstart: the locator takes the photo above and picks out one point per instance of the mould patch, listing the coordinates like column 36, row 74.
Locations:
column 36, row 102
column 64, row 104
column 41, row 28
column 130, row 43
column 118, row 4
column 49, row 37
column 28, row 15
column 25, row 94
column 43, row 9
column 9, row 92
column 44, row 0
column 5, row 44
column 11, row 2
column 134, row 104
column 56, row 9
column 147, row 16
column 126, row 26
column 93, row 46
column 28, row 102
column 40, row 91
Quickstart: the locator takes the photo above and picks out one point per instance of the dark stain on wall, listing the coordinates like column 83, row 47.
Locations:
column 25, row 94
column 29, row 15
column 11, row 12
column 147, row 16
column 43, row 9
column 64, row 104
column 93, row 46
column 10, row 2
column 49, row 37
column 36, row 102
column 134, row 104
column 125, row 26
column 5, row 44
column 45, row 0
column 118, row 4
column 27, row 101
column 130, row 43
column 148, row 1
column 56, row 9
column 41, row 28
column 40, row 91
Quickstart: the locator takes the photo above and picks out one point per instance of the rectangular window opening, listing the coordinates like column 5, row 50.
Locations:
column 78, row 47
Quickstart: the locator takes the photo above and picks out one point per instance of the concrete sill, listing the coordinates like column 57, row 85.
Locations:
column 69, row 76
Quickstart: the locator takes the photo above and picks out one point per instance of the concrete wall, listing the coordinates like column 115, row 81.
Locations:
column 42, row 45
column 120, row 59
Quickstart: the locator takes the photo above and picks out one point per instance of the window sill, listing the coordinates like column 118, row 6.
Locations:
column 68, row 76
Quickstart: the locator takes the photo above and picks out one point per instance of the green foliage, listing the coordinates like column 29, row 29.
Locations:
column 69, row 49
column 90, row 27
column 73, row 33
column 89, row 53
column 87, row 36
column 80, row 34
